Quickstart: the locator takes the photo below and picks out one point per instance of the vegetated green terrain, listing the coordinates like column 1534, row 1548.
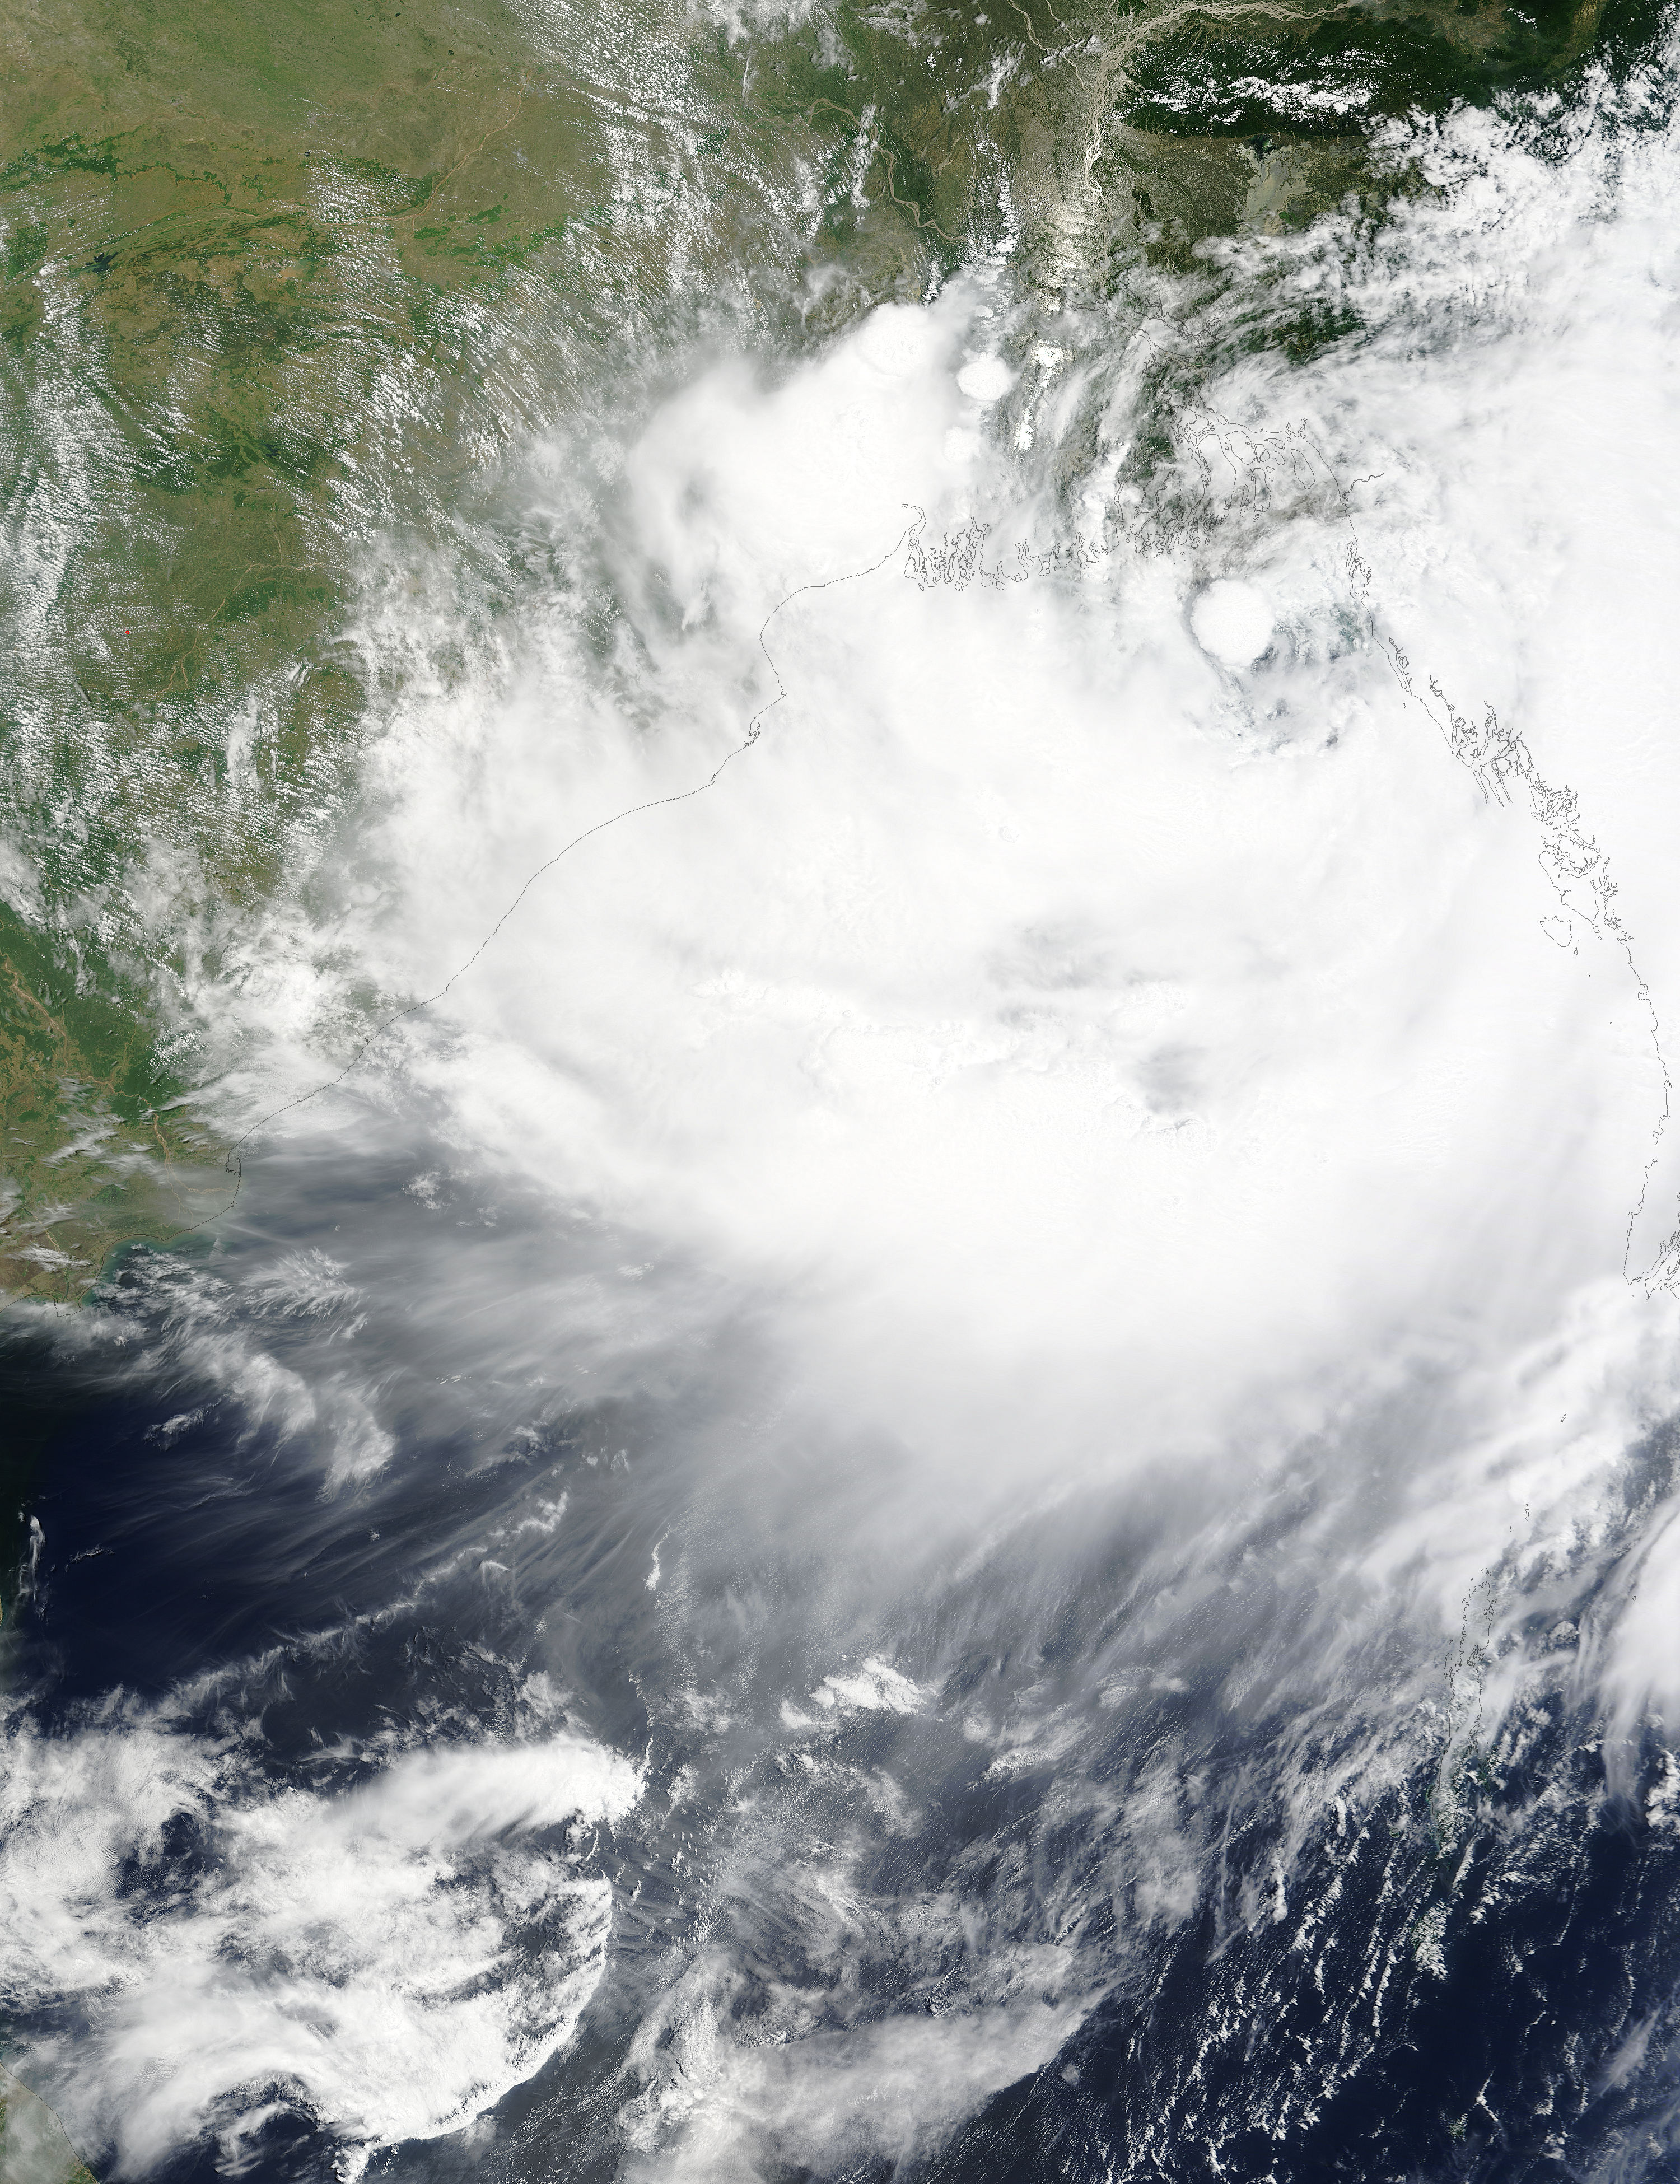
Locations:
column 33, row 2147
column 285, row 280
column 96, row 1154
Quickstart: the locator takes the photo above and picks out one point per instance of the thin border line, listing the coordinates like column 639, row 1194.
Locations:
column 234, row 1164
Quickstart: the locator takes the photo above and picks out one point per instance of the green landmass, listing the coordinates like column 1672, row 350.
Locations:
column 33, row 2147
column 100, row 1149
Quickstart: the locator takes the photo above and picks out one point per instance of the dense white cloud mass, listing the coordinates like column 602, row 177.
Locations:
column 394, row 1956
column 1232, row 621
column 1142, row 1028
column 1095, row 1020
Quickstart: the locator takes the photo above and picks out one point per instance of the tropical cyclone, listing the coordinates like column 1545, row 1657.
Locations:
column 339, row 371
column 302, row 285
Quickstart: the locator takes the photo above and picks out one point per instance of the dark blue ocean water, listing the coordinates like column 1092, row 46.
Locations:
column 1434, row 1975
